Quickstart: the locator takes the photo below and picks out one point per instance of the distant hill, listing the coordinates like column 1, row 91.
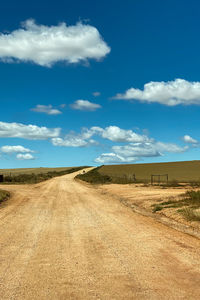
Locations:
column 181, row 171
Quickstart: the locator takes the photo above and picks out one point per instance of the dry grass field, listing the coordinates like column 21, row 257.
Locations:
column 185, row 171
column 31, row 170
column 36, row 175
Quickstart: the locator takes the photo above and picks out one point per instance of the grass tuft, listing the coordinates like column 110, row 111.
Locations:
column 190, row 214
column 157, row 208
column 190, row 202
column 4, row 195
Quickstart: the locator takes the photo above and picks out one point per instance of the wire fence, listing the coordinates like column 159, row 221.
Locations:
column 159, row 178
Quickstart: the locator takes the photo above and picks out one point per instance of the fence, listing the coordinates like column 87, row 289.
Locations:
column 123, row 178
column 159, row 178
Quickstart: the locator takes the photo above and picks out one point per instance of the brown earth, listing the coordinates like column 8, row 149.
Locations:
column 143, row 198
column 62, row 239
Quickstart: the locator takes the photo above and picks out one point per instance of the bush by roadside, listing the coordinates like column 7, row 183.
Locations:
column 188, row 205
column 94, row 177
column 4, row 195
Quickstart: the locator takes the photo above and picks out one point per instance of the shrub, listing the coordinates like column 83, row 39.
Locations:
column 94, row 177
column 157, row 208
column 190, row 214
column 193, row 197
column 189, row 204
column 4, row 195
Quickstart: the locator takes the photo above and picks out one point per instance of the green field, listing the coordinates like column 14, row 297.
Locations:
column 185, row 171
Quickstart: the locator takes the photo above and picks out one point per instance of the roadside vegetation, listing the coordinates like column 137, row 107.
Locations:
column 4, row 195
column 188, row 205
column 94, row 177
column 37, row 177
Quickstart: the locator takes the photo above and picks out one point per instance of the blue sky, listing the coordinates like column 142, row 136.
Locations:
column 117, row 83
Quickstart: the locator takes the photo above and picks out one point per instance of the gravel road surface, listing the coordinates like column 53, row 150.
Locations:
column 61, row 239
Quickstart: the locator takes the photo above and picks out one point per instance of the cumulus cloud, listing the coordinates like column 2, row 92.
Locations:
column 47, row 109
column 85, row 105
column 113, row 158
column 72, row 141
column 15, row 149
column 189, row 139
column 26, row 156
column 169, row 93
column 30, row 132
column 75, row 140
column 112, row 133
column 46, row 45
column 147, row 149
column 136, row 151
column 137, row 145
column 116, row 134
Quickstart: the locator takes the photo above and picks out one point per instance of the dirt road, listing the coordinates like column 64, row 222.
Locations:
column 61, row 239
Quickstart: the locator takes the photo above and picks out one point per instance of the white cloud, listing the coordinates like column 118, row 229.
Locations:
column 96, row 94
column 112, row 133
column 15, row 149
column 113, row 158
column 169, row 93
column 138, row 146
column 189, row 139
column 46, row 45
column 74, row 140
column 26, row 156
column 47, row 109
column 31, row 132
column 85, row 105
column 70, row 142
column 150, row 149
column 116, row 134
column 136, row 151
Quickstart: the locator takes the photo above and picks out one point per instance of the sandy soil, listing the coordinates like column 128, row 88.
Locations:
column 140, row 198
column 62, row 239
